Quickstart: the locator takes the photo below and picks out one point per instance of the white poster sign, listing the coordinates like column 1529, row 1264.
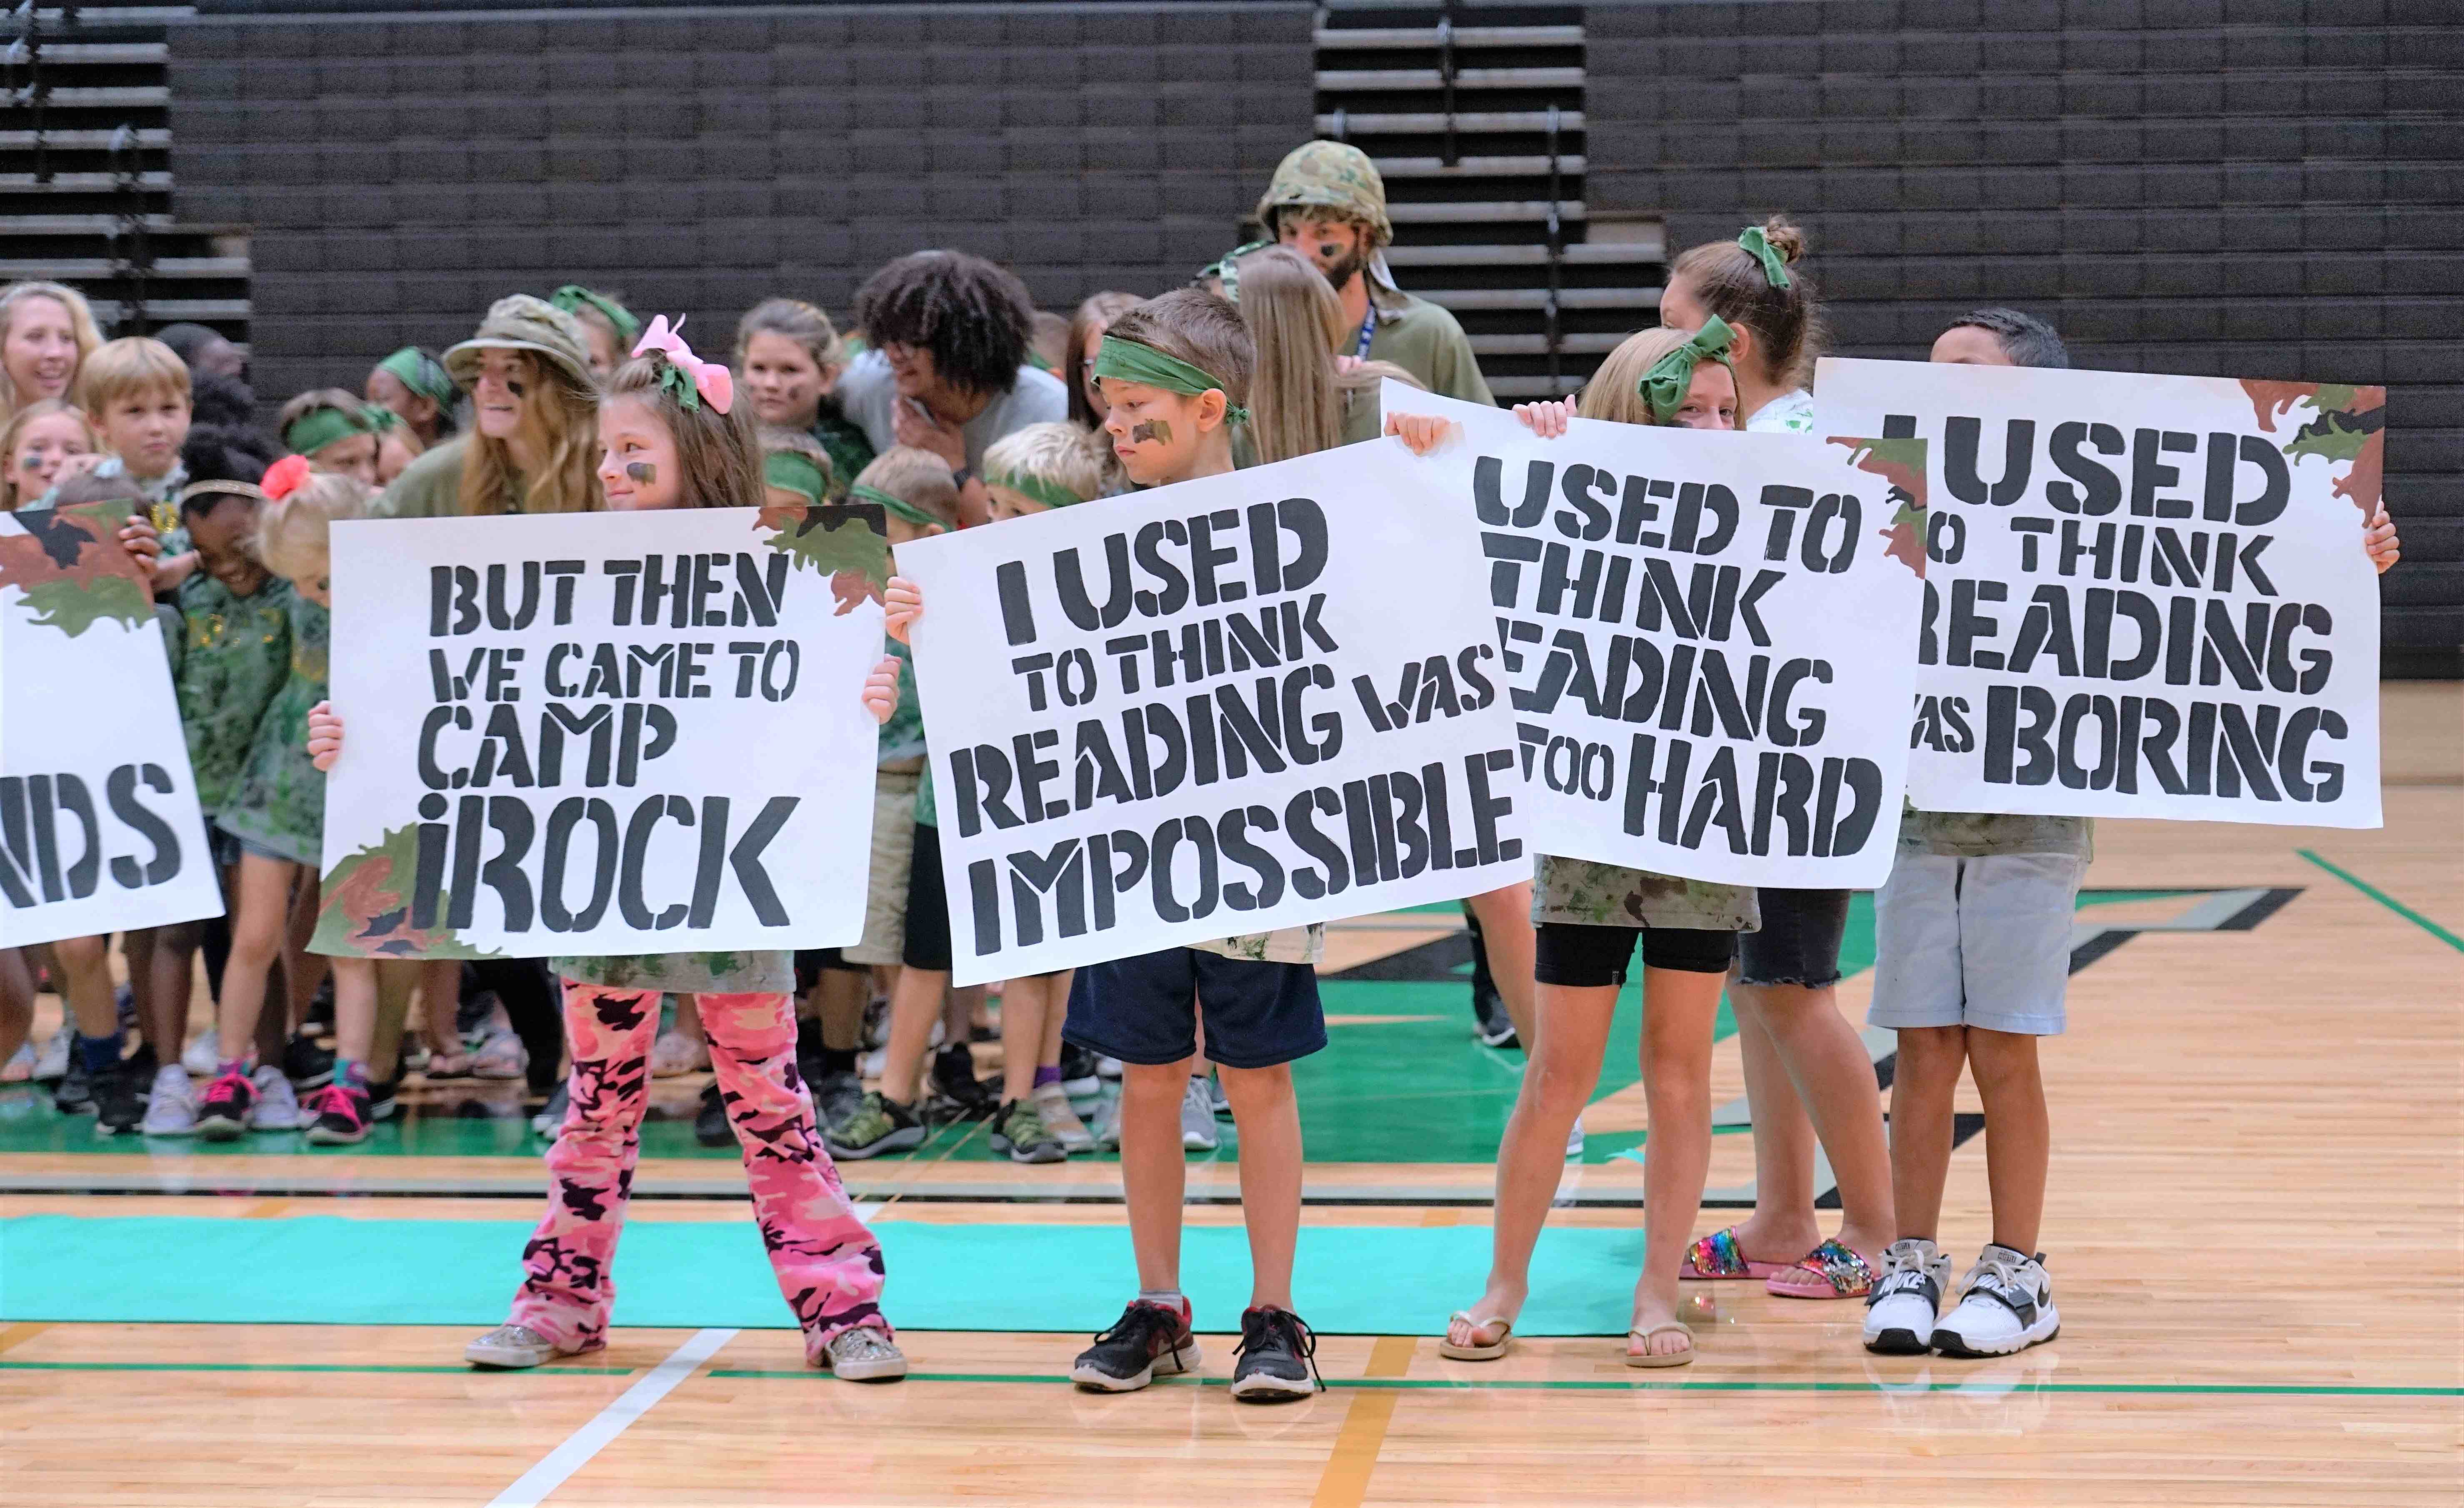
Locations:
column 2148, row 595
column 1237, row 704
column 100, row 830
column 1708, row 637
column 631, row 733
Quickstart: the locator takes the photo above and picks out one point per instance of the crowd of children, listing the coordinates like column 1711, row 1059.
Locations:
column 955, row 406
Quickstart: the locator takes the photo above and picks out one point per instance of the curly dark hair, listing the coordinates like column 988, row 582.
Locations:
column 973, row 316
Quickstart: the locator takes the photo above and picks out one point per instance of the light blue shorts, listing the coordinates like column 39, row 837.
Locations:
column 1976, row 942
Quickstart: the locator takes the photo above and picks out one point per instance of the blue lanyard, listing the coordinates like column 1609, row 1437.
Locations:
column 1368, row 329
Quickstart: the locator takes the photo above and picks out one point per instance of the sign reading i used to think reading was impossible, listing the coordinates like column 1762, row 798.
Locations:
column 100, row 830
column 629, row 732
column 1708, row 638
column 2148, row 596
column 1232, row 705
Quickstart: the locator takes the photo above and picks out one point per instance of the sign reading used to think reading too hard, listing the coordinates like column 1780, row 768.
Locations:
column 2148, row 596
column 100, row 830
column 1708, row 638
column 1216, row 709
column 629, row 732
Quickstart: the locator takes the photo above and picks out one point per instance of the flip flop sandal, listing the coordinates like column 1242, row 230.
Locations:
column 1475, row 1352
column 1830, row 1271
column 1682, row 1358
column 1717, row 1258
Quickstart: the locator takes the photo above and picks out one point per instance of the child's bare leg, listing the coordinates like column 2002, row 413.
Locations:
column 2017, row 1136
column 258, row 924
column 302, row 971
column 83, row 964
column 1678, row 1012
column 136, row 952
column 171, row 969
column 837, row 1002
column 688, row 1018
column 396, row 982
column 913, row 1007
column 1154, row 1169
column 1564, row 1067
column 355, row 1012
column 1029, row 1008
column 1267, row 1115
column 1505, row 917
column 16, row 1002
column 1922, row 1082
column 1826, row 1074
column 1048, row 1056
column 1782, row 1227
column 440, row 996
column 966, row 1005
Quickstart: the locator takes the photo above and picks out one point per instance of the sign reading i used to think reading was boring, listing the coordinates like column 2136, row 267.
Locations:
column 2148, row 596
column 100, row 830
column 1708, row 638
column 1232, row 705
column 629, row 732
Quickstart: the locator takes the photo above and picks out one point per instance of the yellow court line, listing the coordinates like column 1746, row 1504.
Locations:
column 12, row 1335
column 266, row 1209
column 1345, row 1483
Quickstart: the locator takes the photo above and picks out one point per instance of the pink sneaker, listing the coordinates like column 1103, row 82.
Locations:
column 222, row 1115
column 339, row 1115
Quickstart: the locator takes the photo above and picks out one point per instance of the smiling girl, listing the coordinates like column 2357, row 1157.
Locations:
column 535, row 411
column 46, row 332
column 45, row 439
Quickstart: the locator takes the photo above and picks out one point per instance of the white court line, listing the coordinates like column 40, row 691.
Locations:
column 550, row 1474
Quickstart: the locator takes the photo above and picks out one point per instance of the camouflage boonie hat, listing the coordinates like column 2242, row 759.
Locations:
column 520, row 322
column 1329, row 175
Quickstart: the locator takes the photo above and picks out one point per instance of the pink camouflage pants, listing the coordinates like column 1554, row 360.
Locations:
column 829, row 1262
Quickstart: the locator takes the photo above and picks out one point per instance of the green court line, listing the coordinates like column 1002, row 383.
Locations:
column 2387, row 901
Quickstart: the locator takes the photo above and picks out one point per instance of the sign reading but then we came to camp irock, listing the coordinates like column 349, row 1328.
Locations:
column 1237, row 704
column 2149, row 596
column 1708, row 637
column 100, row 830
column 630, row 732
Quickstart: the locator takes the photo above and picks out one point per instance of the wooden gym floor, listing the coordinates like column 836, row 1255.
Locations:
column 2254, row 1226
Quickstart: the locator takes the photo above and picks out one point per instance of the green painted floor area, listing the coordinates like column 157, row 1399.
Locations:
column 1404, row 1082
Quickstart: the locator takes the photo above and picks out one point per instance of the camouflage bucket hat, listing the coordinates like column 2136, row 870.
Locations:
column 520, row 322
column 1329, row 175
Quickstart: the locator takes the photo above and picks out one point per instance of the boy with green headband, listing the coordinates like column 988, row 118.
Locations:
column 333, row 431
column 796, row 471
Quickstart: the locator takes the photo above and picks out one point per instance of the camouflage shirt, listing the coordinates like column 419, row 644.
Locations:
column 1982, row 835
column 1285, row 945
column 759, row 971
column 234, row 655
column 851, row 451
column 1589, row 894
column 280, row 802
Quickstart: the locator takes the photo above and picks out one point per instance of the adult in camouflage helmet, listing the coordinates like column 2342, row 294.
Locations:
column 1328, row 203
column 534, row 446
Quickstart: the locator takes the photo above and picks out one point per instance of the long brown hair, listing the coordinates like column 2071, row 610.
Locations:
column 1297, row 396
column 1786, row 322
column 566, row 419
column 1098, row 309
column 719, row 453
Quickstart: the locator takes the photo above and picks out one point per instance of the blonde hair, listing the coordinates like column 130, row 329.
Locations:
column 294, row 536
column 917, row 478
column 1786, row 322
column 1098, row 309
column 717, row 452
column 1615, row 392
column 15, row 429
column 567, row 416
column 1062, row 454
column 1296, row 395
column 796, row 320
column 128, row 367
column 81, row 328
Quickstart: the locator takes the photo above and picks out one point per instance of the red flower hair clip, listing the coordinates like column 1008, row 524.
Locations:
column 283, row 477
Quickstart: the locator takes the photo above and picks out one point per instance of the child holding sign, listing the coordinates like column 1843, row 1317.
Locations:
column 672, row 436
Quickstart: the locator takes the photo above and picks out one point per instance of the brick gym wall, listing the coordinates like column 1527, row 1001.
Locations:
column 2229, row 187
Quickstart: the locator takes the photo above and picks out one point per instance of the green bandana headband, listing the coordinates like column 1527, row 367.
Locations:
column 797, row 472
column 318, row 428
column 1664, row 387
column 423, row 374
column 1132, row 362
column 572, row 296
column 1228, row 270
column 1034, row 488
column 897, row 507
column 379, row 418
column 1774, row 265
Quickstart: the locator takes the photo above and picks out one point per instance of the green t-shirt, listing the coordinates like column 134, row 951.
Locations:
column 233, row 656
column 902, row 737
column 281, row 798
column 1424, row 341
column 431, row 486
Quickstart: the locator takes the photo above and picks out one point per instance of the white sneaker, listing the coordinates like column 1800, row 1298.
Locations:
column 171, row 1110
column 1902, row 1309
column 1108, row 1068
column 509, row 1347
column 1198, row 1118
column 54, row 1063
column 1107, row 1129
column 205, row 1055
column 277, row 1104
column 2005, row 1304
column 1052, row 1104
column 1575, row 1141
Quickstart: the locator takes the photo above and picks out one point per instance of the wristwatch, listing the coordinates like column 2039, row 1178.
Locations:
column 962, row 476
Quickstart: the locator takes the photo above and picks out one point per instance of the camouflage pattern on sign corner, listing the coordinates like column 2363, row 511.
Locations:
column 1287, row 945
column 1329, row 175
column 366, row 907
column 847, row 542
column 2351, row 426
column 69, row 563
column 1901, row 463
column 1587, row 893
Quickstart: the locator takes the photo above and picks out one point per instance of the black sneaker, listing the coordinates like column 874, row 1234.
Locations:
column 1125, row 1357
column 955, row 1091
column 1490, row 1023
column 711, row 1126
column 1019, row 1134
column 1276, row 1359
column 120, row 1093
column 307, row 1066
column 836, row 1096
column 385, row 1098
column 1080, row 1079
column 74, row 1094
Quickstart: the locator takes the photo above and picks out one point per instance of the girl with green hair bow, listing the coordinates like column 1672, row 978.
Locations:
column 1754, row 283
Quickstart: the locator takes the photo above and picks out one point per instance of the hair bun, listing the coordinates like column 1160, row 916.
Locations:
column 1785, row 238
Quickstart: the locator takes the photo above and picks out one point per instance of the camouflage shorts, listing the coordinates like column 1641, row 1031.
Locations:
column 1593, row 894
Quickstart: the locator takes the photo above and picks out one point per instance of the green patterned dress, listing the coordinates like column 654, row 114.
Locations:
column 232, row 658
column 280, row 802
